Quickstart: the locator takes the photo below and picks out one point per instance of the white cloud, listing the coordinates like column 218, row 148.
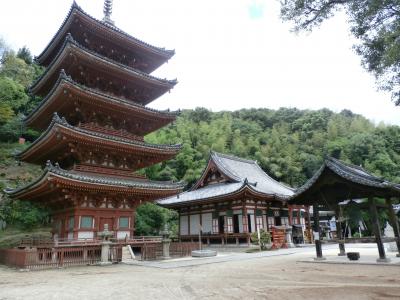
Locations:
column 226, row 56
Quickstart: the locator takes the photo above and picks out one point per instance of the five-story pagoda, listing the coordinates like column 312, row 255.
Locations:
column 95, row 87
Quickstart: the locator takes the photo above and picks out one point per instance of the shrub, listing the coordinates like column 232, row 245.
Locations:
column 265, row 238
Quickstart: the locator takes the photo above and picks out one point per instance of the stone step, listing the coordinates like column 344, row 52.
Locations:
column 127, row 254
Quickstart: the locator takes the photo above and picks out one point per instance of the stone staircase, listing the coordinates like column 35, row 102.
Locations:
column 127, row 255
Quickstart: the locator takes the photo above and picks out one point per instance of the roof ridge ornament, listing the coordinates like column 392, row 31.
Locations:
column 107, row 10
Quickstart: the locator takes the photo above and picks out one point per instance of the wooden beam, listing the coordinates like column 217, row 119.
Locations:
column 339, row 233
column 395, row 223
column 317, row 233
column 377, row 230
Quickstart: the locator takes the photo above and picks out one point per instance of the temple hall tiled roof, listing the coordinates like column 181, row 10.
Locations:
column 208, row 192
column 245, row 175
column 240, row 169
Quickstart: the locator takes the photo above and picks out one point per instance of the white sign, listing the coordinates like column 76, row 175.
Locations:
column 332, row 225
column 316, row 235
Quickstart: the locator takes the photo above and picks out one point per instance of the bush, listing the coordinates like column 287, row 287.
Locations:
column 265, row 238
column 150, row 220
column 23, row 214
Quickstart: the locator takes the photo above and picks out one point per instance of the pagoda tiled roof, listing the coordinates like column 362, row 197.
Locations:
column 94, row 180
column 348, row 172
column 126, row 104
column 71, row 43
column 244, row 175
column 75, row 8
column 57, row 121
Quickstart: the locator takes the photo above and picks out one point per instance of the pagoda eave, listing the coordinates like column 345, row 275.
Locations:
column 156, row 55
column 60, row 136
column 74, row 54
column 67, row 94
column 56, row 179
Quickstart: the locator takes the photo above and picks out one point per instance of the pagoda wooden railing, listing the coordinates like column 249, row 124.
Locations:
column 65, row 256
column 86, row 252
column 112, row 132
column 108, row 171
column 50, row 243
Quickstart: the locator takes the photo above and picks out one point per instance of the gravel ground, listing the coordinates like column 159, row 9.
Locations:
column 274, row 277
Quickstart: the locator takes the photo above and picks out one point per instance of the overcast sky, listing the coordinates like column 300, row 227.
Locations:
column 230, row 54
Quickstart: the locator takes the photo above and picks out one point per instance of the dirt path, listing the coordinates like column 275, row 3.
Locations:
column 279, row 277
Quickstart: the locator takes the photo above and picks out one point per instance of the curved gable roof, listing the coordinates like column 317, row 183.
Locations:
column 71, row 45
column 246, row 175
column 94, row 182
column 346, row 173
column 38, row 114
column 240, row 169
column 115, row 31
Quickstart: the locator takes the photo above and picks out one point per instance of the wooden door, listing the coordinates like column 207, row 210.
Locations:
column 109, row 221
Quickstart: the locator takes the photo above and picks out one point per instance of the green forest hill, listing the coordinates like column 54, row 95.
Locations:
column 288, row 143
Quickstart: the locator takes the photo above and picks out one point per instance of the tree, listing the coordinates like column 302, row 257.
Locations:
column 23, row 214
column 6, row 113
column 25, row 54
column 3, row 47
column 17, row 69
column 376, row 25
column 149, row 219
column 13, row 94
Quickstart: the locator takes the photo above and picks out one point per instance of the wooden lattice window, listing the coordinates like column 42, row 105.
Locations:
column 229, row 224
column 259, row 221
column 86, row 222
column 123, row 222
column 271, row 221
column 245, row 223
column 71, row 223
column 215, row 228
column 285, row 221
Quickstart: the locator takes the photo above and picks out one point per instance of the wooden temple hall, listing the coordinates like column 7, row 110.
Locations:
column 233, row 198
column 93, row 118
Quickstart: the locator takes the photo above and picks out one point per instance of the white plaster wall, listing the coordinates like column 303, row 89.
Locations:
column 184, row 225
column 85, row 235
column 194, row 224
column 122, row 234
column 206, row 222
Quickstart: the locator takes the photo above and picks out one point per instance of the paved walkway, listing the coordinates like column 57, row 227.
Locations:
column 368, row 256
column 242, row 276
column 368, row 252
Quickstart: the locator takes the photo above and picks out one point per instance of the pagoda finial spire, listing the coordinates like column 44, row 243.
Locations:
column 108, row 11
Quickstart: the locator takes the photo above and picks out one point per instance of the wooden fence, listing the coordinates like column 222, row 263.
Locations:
column 66, row 256
column 45, row 258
